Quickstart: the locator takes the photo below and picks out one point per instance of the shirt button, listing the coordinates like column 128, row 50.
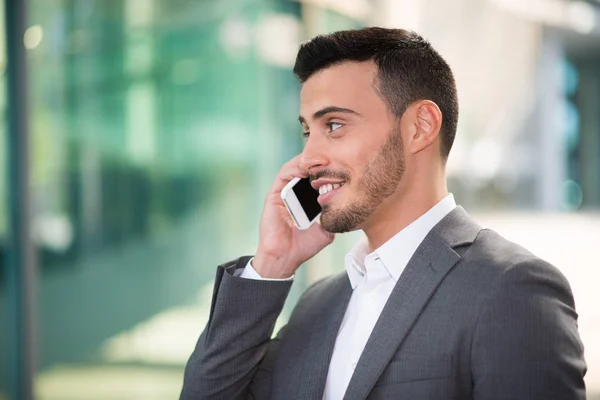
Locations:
column 353, row 365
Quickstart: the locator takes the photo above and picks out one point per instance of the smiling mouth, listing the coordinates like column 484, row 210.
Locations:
column 328, row 191
column 329, row 187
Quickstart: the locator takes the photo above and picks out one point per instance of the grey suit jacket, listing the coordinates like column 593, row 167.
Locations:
column 473, row 316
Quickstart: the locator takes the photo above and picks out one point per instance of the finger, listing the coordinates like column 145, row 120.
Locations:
column 317, row 229
column 288, row 171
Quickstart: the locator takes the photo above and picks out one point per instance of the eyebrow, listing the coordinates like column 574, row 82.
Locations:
column 331, row 109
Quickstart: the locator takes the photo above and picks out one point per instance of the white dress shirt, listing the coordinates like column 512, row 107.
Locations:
column 372, row 277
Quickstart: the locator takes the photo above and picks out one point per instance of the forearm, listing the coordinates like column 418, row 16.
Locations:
column 242, row 319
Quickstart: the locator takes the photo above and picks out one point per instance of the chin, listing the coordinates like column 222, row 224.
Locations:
column 339, row 221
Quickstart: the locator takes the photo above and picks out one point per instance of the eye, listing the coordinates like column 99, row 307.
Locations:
column 305, row 134
column 334, row 126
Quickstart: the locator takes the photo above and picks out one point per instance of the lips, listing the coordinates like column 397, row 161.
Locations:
column 317, row 183
column 326, row 192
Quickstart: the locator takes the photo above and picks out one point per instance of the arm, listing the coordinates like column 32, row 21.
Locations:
column 526, row 344
column 234, row 355
column 236, row 339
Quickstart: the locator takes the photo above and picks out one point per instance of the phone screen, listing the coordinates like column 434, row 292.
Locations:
column 307, row 196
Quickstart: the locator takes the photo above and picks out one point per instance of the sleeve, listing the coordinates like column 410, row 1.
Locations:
column 250, row 273
column 236, row 342
column 526, row 343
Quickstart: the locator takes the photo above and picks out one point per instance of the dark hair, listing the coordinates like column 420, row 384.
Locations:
column 409, row 69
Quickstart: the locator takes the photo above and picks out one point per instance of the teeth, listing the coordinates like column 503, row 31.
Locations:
column 329, row 187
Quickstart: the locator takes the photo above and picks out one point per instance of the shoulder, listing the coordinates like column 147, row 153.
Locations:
column 508, row 269
column 526, row 327
column 506, row 262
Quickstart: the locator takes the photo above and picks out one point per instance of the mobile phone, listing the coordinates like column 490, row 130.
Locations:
column 300, row 199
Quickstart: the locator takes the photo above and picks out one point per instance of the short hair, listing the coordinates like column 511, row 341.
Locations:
column 409, row 69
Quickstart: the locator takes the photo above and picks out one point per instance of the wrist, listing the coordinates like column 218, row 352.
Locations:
column 273, row 267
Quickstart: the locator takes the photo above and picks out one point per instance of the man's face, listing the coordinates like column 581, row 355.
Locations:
column 354, row 141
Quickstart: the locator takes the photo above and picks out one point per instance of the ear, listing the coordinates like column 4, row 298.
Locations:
column 425, row 121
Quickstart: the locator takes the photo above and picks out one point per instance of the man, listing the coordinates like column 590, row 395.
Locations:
column 431, row 306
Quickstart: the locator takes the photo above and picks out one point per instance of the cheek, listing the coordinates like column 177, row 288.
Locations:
column 353, row 151
column 354, row 164
column 361, row 156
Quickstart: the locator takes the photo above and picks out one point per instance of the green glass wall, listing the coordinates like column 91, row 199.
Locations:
column 156, row 130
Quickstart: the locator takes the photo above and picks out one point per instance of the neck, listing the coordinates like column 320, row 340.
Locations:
column 405, row 206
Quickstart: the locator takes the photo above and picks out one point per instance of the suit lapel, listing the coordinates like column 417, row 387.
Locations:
column 425, row 271
column 324, row 330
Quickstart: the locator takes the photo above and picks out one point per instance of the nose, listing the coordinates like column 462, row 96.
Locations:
column 312, row 157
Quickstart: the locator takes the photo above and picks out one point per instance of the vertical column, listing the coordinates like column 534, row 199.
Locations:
column 552, row 171
column 589, row 105
column 21, row 268
column 140, row 97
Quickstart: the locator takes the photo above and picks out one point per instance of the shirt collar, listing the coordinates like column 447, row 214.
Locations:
column 397, row 252
column 355, row 261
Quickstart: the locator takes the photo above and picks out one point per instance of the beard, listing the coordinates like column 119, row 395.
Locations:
column 381, row 177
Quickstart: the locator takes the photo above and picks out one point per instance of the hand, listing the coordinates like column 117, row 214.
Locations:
column 283, row 247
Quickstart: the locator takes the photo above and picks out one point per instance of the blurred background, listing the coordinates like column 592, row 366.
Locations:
column 155, row 128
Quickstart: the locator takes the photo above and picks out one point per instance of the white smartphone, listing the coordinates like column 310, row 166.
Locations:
column 300, row 198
